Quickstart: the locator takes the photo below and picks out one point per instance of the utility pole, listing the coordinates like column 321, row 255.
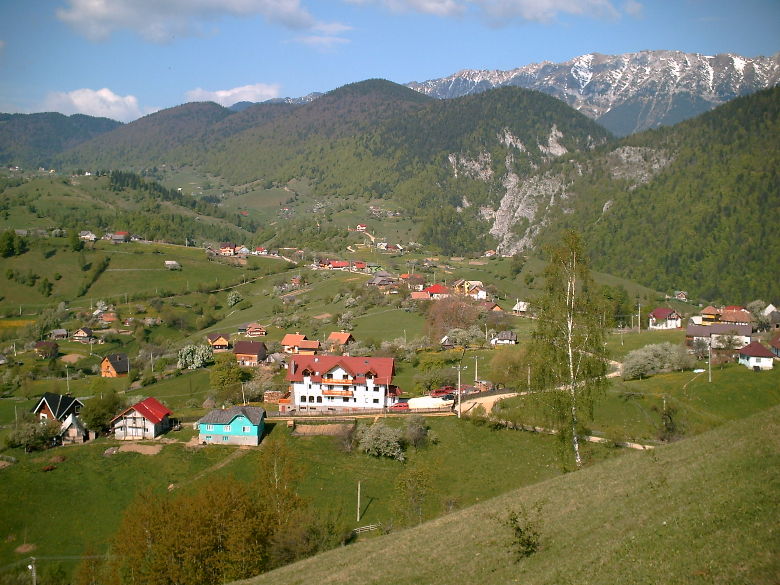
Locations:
column 460, row 368
column 67, row 378
column 639, row 318
column 358, row 502
column 476, row 377
column 709, row 361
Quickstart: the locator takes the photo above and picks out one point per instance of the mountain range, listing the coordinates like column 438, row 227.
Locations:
column 691, row 206
column 630, row 92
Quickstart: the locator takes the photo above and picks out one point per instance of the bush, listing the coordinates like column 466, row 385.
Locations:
column 525, row 537
column 654, row 359
column 380, row 440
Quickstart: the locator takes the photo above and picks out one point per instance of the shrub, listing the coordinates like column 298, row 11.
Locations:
column 525, row 536
column 654, row 359
column 379, row 440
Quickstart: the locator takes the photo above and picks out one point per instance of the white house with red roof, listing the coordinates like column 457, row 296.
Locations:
column 332, row 383
column 664, row 318
column 297, row 343
column 756, row 357
column 144, row 420
column 437, row 291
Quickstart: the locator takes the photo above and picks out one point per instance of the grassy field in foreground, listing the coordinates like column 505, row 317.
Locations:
column 702, row 511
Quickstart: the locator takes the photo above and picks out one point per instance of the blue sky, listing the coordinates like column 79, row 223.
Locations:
column 127, row 58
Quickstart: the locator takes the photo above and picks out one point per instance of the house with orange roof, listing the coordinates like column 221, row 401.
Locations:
column 218, row 341
column 337, row 383
column 295, row 344
column 339, row 339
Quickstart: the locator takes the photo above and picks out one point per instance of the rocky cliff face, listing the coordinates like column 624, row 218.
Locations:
column 631, row 92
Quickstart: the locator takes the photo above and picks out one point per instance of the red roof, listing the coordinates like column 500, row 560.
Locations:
column 755, row 349
column 339, row 264
column 437, row 289
column 151, row 409
column 121, row 233
column 340, row 337
column 381, row 368
column 663, row 313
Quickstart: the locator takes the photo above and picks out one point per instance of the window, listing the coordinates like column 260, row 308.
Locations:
column 225, row 438
column 319, row 399
column 209, row 427
column 345, row 399
column 208, row 437
column 246, row 429
column 226, row 428
column 376, row 400
column 311, row 398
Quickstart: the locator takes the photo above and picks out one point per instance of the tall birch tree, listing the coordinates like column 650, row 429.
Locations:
column 568, row 350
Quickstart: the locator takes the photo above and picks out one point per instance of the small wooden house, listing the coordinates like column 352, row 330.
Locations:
column 255, row 330
column 249, row 353
column 47, row 349
column 218, row 341
column 56, row 407
column 83, row 335
column 115, row 365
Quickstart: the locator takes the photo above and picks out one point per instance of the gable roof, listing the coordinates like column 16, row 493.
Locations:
column 118, row 361
column 710, row 310
column 736, row 316
column 150, row 408
column 382, row 368
column 775, row 342
column 755, row 349
column 299, row 340
column 254, row 414
column 58, row 404
column 662, row 313
column 340, row 337
column 212, row 337
column 256, row 348
column 437, row 289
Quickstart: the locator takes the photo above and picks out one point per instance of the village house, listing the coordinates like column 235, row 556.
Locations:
column 120, row 237
column 73, row 431
column 719, row 335
column 58, row 334
column 415, row 282
column 227, row 249
column 736, row 316
column 144, row 420
column 115, row 365
column 681, row 295
column 56, row 407
column 295, row 343
column 520, row 308
column 491, row 307
column 255, row 330
column 242, row 251
column 437, row 291
column 774, row 345
column 239, row 425
column 756, row 357
column 218, row 341
column 249, row 353
column 332, row 383
column 710, row 314
column 83, row 335
column 338, row 264
column 420, row 296
column 504, row 338
column 361, row 227
column 108, row 317
column 664, row 318
column 338, row 340
column 260, row 251
column 87, row 236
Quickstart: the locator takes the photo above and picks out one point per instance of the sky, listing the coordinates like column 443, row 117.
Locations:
column 124, row 59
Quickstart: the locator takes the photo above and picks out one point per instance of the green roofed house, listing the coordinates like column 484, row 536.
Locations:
column 238, row 425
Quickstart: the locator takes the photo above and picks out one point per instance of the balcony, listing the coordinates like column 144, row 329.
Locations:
column 334, row 381
column 348, row 393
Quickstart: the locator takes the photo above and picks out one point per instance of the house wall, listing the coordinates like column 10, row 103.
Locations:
column 134, row 427
column 240, row 431
column 310, row 395
column 45, row 413
column 245, row 359
column 763, row 363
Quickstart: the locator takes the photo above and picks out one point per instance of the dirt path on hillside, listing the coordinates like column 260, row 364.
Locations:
column 488, row 402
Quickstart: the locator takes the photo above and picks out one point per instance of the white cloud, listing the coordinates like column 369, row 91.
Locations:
column 633, row 8
column 501, row 11
column 321, row 42
column 161, row 20
column 101, row 102
column 258, row 92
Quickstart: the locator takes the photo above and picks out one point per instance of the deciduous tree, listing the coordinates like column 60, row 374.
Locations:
column 568, row 353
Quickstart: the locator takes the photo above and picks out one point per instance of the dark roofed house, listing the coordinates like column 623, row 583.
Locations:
column 47, row 349
column 664, row 318
column 115, row 365
column 504, row 338
column 774, row 345
column 756, row 357
column 56, row 407
column 58, row 334
column 249, row 353
column 239, row 425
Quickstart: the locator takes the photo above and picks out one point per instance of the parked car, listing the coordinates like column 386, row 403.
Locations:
column 400, row 406
column 441, row 392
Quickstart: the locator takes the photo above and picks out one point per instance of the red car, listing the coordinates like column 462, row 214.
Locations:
column 400, row 406
column 443, row 391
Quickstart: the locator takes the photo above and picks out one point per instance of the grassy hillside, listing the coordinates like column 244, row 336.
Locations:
column 699, row 511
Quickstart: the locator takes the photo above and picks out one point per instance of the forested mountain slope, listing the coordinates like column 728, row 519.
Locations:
column 691, row 207
column 34, row 140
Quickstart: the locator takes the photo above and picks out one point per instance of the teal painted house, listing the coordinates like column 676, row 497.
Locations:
column 238, row 425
